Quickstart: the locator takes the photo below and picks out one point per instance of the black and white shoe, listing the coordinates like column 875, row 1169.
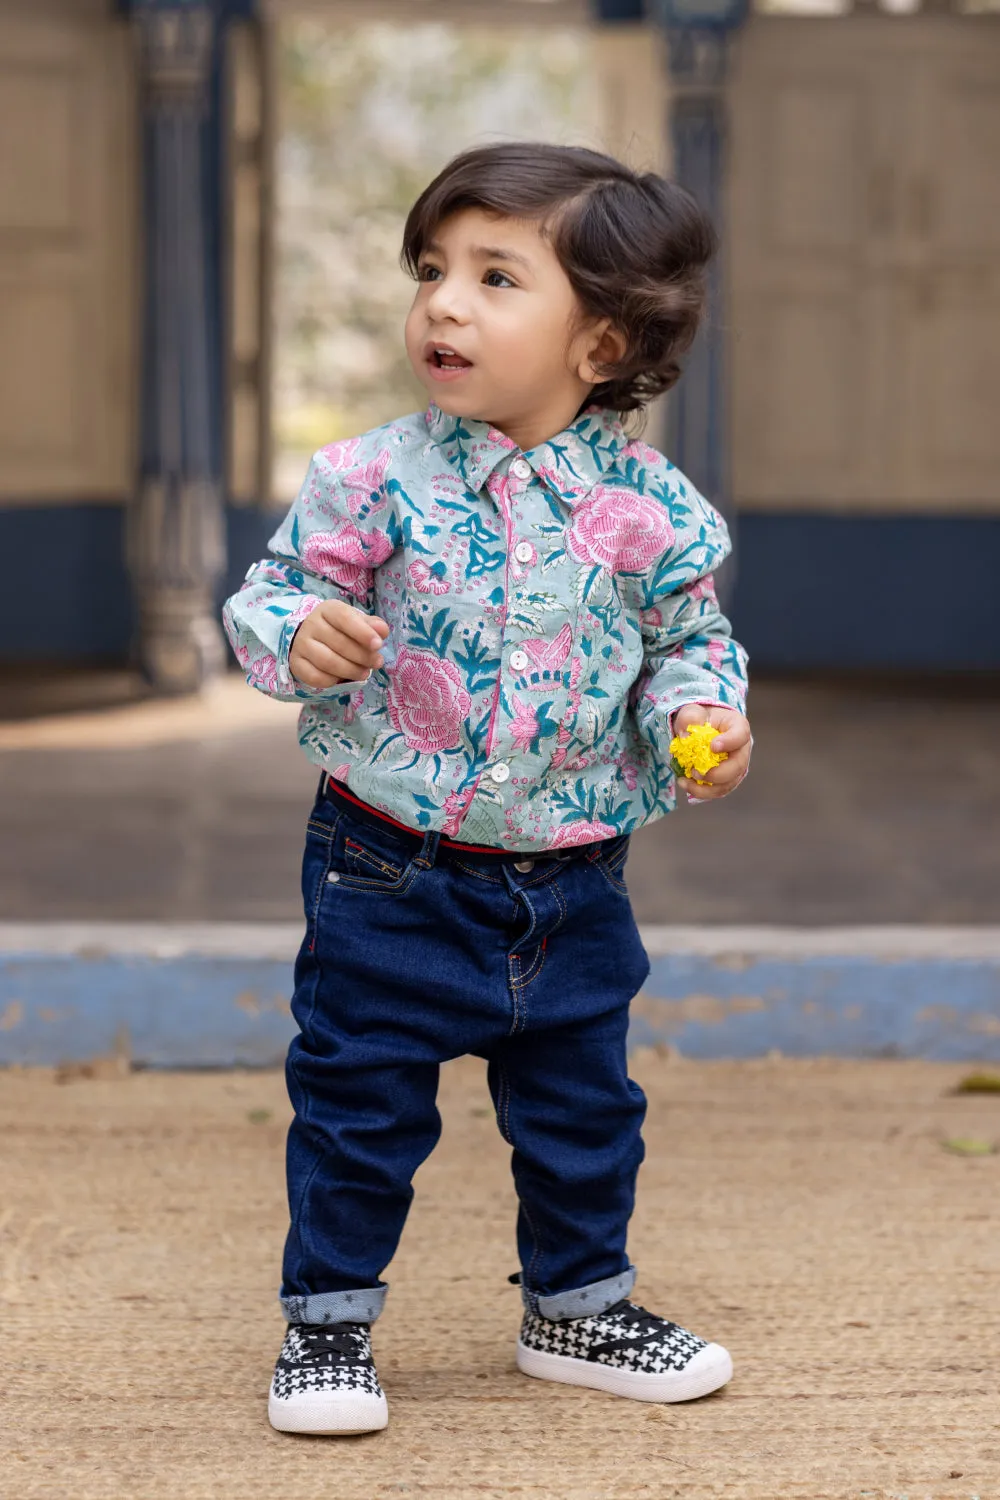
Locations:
column 325, row 1381
column 626, row 1351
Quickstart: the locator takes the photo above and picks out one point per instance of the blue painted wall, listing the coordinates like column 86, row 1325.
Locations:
column 811, row 592
column 73, row 555
column 841, row 592
column 200, row 1011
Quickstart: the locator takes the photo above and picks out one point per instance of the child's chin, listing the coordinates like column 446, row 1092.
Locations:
column 455, row 403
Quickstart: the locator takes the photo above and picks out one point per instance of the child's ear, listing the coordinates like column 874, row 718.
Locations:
column 608, row 345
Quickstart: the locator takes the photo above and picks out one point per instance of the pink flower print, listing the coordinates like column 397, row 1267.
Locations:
column 547, row 658
column 652, row 616
column 347, row 556
column 496, row 436
column 524, row 727
column 619, row 530
column 643, row 452
column 341, row 773
column 702, row 588
column 242, row 655
column 364, row 485
column 353, row 704
column 629, row 768
column 716, row 653
column 341, row 455
column 263, row 673
column 568, row 835
column 424, row 579
column 427, row 702
column 454, row 810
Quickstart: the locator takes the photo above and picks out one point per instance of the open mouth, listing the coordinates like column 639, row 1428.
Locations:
column 444, row 360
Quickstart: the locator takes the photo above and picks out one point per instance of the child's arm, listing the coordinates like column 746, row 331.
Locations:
column 695, row 672
column 322, row 572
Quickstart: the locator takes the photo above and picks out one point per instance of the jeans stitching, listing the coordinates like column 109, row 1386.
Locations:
column 562, row 905
column 359, row 852
column 300, row 1218
column 537, row 964
column 508, row 1137
column 514, row 964
column 613, row 882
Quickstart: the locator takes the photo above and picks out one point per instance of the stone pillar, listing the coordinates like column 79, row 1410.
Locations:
column 176, row 531
column 698, row 419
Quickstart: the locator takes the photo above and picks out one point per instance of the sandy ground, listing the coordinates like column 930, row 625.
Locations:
column 806, row 1214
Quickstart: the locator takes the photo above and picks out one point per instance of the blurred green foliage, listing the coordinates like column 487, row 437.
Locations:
column 367, row 116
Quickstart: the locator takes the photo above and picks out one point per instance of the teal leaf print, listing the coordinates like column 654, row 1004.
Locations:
column 477, row 664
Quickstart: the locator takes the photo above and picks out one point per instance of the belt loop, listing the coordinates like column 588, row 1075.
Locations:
column 429, row 850
column 324, row 782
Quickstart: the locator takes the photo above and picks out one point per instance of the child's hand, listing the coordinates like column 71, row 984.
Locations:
column 336, row 643
column 733, row 738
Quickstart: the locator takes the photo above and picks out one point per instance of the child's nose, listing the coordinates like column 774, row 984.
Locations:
column 447, row 302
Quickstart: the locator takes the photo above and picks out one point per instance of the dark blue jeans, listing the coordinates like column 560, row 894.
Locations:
column 415, row 953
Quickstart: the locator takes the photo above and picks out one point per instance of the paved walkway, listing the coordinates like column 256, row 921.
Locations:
column 806, row 1214
column 866, row 804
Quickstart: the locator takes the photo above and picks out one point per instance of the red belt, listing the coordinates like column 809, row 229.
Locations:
column 339, row 790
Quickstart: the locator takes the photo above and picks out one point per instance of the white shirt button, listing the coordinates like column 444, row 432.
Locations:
column 519, row 660
column 523, row 552
column 520, row 468
column 499, row 772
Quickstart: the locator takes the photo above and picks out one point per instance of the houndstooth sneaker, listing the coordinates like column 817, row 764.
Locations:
column 626, row 1351
column 325, row 1381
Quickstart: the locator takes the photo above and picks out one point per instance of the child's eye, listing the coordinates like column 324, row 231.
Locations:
column 502, row 278
column 427, row 273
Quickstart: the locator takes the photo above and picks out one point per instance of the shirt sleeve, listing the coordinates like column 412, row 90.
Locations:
column 689, row 652
column 324, row 549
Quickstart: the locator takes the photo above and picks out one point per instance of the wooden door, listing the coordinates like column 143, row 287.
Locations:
column 863, row 236
column 67, row 315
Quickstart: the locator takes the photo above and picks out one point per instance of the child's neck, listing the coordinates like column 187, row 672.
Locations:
column 531, row 432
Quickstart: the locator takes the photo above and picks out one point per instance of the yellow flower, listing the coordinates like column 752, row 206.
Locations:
column 692, row 751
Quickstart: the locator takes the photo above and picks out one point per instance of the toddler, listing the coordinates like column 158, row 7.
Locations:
column 495, row 613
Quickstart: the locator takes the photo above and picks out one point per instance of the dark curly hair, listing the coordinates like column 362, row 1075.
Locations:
column 634, row 247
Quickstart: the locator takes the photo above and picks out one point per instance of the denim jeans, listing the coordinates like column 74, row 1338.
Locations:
column 415, row 953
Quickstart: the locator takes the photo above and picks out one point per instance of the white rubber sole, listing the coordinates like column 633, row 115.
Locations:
column 707, row 1371
column 329, row 1413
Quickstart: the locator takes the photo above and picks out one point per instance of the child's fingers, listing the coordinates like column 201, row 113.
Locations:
column 728, row 774
column 338, row 618
column 348, row 664
column 732, row 737
column 694, row 791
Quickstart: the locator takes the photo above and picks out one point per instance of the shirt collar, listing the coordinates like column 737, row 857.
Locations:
column 571, row 463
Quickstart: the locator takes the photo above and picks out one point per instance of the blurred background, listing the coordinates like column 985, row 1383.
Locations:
column 200, row 216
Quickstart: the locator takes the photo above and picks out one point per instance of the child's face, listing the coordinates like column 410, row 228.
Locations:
column 492, row 291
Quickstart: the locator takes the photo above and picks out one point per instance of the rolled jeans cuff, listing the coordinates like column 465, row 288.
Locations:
column 361, row 1306
column 584, row 1301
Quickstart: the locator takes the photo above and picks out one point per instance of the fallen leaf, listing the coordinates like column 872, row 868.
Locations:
column 258, row 1116
column 962, row 1145
column 979, row 1083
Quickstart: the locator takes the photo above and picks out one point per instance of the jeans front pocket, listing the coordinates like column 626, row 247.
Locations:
column 365, row 859
column 611, row 862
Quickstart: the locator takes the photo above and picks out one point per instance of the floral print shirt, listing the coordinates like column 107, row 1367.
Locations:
column 548, row 611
